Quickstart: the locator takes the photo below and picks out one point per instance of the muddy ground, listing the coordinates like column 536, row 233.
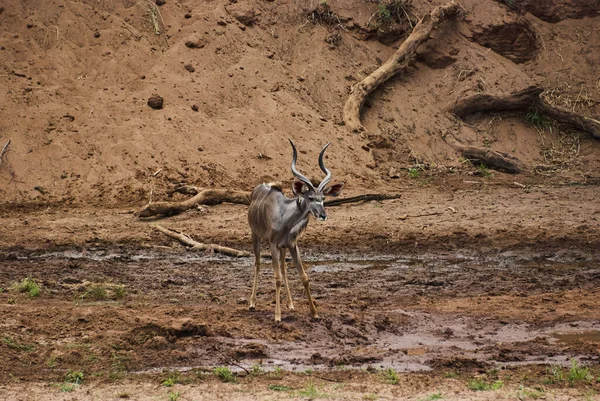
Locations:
column 486, row 290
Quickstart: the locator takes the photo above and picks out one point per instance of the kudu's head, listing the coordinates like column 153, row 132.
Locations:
column 306, row 192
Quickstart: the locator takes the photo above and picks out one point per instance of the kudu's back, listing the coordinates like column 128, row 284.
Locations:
column 263, row 204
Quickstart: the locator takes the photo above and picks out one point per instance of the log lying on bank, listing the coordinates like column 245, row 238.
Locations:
column 197, row 246
column 218, row 196
column 490, row 158
column 394, row 64
column 204, row 197
column 526, row 100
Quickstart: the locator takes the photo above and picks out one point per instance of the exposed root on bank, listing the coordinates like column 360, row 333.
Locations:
column 394, row 64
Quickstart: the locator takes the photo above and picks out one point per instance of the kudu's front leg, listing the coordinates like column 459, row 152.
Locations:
column 275, row 256
column 295, row 252
column 256, row 248
column 282, row 266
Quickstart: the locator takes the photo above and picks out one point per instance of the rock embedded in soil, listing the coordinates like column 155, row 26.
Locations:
column 96, row 34
column 160, row 2
column 195, row 43
column 242, row 12
column 155, row 101
column 189, row 67
column 195, row 107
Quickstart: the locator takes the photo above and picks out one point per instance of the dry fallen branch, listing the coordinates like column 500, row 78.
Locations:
column 205, row 197
column 525, row 100
column 4, row 149
column 218, row 196
column 394, row 64
column 197, row 246
column 490, row 158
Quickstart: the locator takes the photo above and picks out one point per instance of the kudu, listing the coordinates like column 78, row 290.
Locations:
column 276, row 218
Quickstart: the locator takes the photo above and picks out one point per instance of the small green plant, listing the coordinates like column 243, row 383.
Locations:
column 556, row 374
column 172, row 379
column 311, row 391
column 14, row 344
column 578, row 373
column 256, row 369
column 451, row 375
column 525, row 393
column 390, row 376
column 277, row 372
column 370, row 397
column 28, row 285
column 119, row 291
column 538, row 120
column 435, row 396
column 278, row 387
column 224, row 374
column 73, row 378
column 414, row 172
column 308, row 372
column 483, row 171
column 481, row 385
column 174, row 395
column 383, row 13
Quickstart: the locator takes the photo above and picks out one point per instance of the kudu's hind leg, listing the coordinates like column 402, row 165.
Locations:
column 282, row 266
column 295, row 252
column 256, row 248
column 275, row 256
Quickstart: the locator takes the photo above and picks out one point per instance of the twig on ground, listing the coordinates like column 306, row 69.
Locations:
column 194, row 245
column 4, row 149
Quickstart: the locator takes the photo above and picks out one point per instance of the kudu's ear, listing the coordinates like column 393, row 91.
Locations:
column 333, row 190
column 297, row 187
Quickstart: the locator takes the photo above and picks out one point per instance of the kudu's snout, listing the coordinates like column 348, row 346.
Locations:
column 322, row 216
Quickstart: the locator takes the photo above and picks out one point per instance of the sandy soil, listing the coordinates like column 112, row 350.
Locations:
column 474, row 284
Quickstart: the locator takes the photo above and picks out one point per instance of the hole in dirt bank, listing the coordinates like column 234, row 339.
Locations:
column 515, row 40
column 592, row 336
column 556, row 10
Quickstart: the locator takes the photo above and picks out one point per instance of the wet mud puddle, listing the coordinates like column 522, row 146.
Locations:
column 409, row 313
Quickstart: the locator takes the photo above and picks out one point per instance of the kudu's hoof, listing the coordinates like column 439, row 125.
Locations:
column 252, row 308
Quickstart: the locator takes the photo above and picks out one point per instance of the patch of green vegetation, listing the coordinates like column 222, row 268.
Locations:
column 256, row 369
column 278, row 387
column 556, row 375
column 451, row 375
column 538, row 120
column 308, row 371
column 97, row 292
column 370, row 397
column 483, row 171
column 120, row 291
column 414, row 172
column 578, row 373
column 311, row 391
column 14, row 344
column 124, row 395
column 530, row 393
column 73, row 378
column 224, row 374
column 28, row 285
column 172, row 379
column 174, row 395
column 434, row 396
column 390, row 376
column 482, row 385
column 277, row 372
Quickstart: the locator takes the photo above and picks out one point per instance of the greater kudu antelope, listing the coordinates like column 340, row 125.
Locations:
column 276, row 218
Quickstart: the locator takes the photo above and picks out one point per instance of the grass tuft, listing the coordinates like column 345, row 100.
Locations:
column 224, row 374
column 28, row 285
column 390, row 376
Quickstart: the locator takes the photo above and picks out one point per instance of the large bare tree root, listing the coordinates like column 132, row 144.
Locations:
column 204, row 197
column 397, row 62
column 217, row 196
column 526, row 99
column 197, row 246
